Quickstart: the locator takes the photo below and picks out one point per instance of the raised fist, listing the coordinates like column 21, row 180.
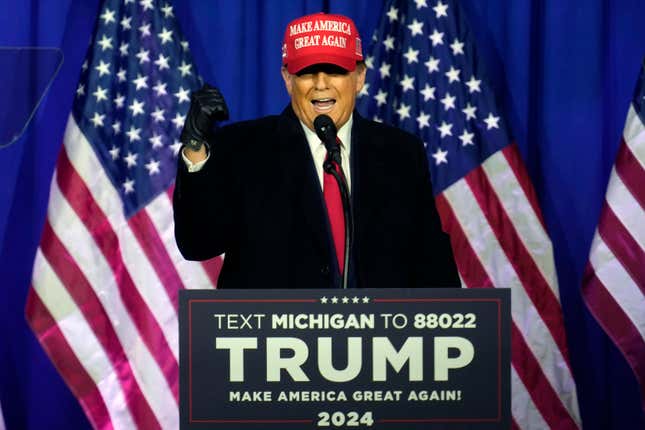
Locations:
column 207, row 105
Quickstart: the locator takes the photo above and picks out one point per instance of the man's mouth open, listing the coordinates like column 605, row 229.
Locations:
column 323, row 105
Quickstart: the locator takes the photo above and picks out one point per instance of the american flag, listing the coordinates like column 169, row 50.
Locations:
column 424, row 76
column 106, row 275
column 614, row 279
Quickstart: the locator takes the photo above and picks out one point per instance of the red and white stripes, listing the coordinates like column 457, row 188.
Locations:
column 500, row 241
column 104, row 296
column 614, row 279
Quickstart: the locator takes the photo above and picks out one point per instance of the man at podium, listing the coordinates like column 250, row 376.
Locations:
column 268, row 193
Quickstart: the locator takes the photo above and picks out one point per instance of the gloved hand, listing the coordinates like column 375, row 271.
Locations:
column 206, row 106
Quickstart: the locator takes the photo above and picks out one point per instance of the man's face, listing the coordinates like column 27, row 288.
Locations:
column 324, row 89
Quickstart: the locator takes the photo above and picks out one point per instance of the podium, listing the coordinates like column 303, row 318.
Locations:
column 341, row 359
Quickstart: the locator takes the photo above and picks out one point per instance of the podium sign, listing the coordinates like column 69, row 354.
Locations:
column 359, row 358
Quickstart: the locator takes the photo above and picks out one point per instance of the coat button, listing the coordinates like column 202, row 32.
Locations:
column 324, row 270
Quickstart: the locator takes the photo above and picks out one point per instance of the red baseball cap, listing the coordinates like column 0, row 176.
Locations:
column 321, row 38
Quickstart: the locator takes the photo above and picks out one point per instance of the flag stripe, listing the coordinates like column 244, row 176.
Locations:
column 524, row 408
column 66, row 362
column 525, row 414
column 621, row 244
column 192, row 274
column 529, row 228
column 514, row 159
column 618, row 283
column 534, row 284
column 146, row 233
column 632, row 174
column 70, row 230
column 77, row 286
column 626, row 208
column 100, row 205
column 544, row 396
column 611, row 316
column 79, row 197
column 634, row 135
column 528, row 320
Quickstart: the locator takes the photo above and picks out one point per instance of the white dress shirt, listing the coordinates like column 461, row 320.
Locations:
column 318, row 151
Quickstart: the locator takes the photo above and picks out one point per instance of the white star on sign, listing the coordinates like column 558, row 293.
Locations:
column 334, row 299
column 155, row 140
column 403, row 111
column 389, row 43
column 178, row 120
column 143, row 56
column 184, row 69
column 160, row 88
column 411, row 55
column 416, row 27
column 153, row 167
column 469, row 111
column 380, row 97
column 103, row 68
column 145, row 30
column 440, row 157
column 440, row 9
column 392, row 14
column 167, row 11
column 345, row 300
column 97, row 120
column 448, row 102
column 491, row 121
column 355, row 299
column 136, row 107
column 100, row 94
column 384, row 70
column 467, row 138
column 162, row 62
column 457, row 47
column 108, row 16
column 445, row 129
column 140, row 82
column 423, row 120
column 421, row 3
column 436, row 37
column 366, row 299
column 133, row 134
column 473, row 85
column 128, row 186
column 453, row 75
column 407, row 83
column 118, row 100
column 165, row 36
column 126, row 23
column 432, row 64
column 323, row 300
column 157, row 115
column 131, row 159
column 182, row 95
column 428, row 93
column 105, row 42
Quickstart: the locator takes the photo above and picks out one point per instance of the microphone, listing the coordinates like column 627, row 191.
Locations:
column 326, row 131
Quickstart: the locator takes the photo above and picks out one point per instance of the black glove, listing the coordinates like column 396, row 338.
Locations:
column 206, row 106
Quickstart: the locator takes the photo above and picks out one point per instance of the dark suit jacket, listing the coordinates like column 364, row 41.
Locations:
column 258, row 199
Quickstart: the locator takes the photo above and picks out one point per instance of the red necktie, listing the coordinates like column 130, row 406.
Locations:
column 334, row 203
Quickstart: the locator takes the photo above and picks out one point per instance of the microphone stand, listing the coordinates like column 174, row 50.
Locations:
column 339, row 176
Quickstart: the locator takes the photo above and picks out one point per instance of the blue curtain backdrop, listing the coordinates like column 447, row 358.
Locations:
column 563, row 70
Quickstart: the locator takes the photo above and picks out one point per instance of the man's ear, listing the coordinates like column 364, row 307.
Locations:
column 360, row 71
column 288, row 79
